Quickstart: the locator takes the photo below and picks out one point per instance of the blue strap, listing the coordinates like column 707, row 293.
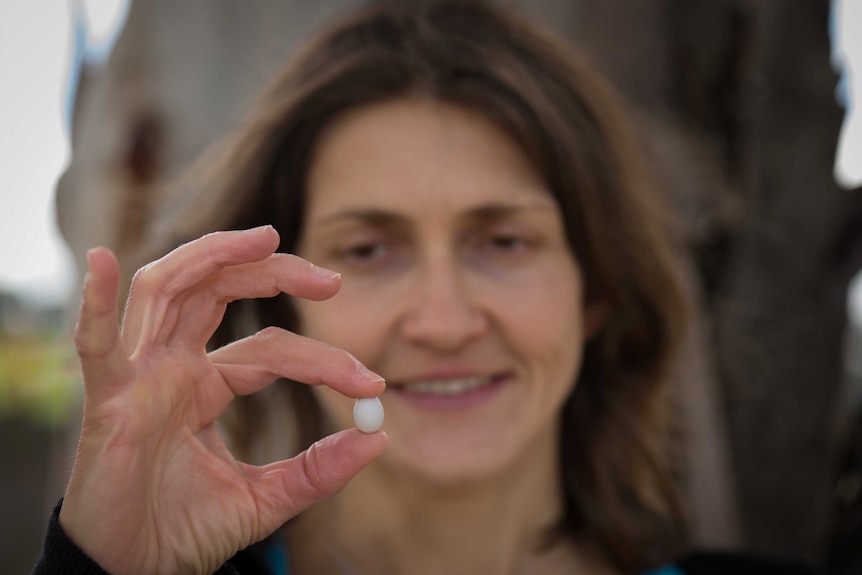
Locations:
column 277, row 560
column 279, row 563
column 666, row 570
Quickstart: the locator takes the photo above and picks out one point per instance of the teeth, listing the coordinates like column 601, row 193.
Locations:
column 447, row 386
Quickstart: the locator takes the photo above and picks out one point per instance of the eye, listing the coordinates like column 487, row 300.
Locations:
column 503, row 243
column 365, row 252
column 370, row 253
column 508, row 243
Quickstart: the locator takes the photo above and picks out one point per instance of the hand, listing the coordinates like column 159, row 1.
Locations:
column 153, row 488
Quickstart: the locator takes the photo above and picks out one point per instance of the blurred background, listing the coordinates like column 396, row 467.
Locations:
column 746, row 107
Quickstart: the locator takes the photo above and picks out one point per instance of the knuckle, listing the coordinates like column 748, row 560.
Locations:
column 292, row 267
column 292, row 259
column 348, row 361
column 269, row 334
column 88, row 344
column 142, row 276
column 298, row 265
column 211, row 236
column 80, row 339
column 318, row 481
column 147, row 281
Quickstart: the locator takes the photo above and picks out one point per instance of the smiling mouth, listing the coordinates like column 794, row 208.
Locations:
column 447, row 387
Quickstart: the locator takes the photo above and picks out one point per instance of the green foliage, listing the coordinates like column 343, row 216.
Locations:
column 38, row 378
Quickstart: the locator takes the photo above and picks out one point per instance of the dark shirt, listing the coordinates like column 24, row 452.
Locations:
column 60, row 556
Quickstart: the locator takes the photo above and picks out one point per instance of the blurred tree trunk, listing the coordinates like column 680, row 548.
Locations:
column 733, row 99
column 748, row 125
column 781, row 298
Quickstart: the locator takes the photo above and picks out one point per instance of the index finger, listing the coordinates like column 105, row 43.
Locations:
column 187, row 266
column 195, row 261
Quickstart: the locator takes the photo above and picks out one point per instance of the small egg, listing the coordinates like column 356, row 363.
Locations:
column 368, row 414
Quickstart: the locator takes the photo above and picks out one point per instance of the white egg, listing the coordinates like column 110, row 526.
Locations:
column 368, row 414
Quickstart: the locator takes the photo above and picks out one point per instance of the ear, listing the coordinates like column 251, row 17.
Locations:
column 595, row 316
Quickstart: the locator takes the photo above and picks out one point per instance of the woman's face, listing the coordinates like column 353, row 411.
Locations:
column 458, row 285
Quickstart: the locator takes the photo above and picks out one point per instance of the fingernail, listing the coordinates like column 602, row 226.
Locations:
column 323, row 272
column 86, row 281
column 260, row 228
column 367, row 374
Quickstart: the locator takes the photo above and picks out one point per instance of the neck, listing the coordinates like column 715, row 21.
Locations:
column 387, row 522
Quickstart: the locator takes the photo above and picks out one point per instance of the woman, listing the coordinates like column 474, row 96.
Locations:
column 484, row 239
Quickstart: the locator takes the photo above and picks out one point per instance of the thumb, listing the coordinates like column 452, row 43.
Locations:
column 104, row 362
column 287, row 488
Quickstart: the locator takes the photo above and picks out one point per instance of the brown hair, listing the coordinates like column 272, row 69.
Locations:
column 617, row 461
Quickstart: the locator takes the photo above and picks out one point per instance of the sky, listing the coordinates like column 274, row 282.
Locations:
column 34, row 141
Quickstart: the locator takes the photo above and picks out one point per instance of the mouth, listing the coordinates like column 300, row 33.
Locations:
column 450, row 392
column 447, row 387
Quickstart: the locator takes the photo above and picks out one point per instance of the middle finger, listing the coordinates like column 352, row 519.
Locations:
column 200, row 310
column 250, row 364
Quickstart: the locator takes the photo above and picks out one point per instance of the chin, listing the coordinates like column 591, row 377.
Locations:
column 454, row 460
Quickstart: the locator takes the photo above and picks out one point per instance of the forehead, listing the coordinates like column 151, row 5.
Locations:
column 418, row 154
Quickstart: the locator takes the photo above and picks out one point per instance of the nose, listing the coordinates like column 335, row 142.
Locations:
column 444, row 313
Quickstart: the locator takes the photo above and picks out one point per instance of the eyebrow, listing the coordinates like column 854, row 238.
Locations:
column 497, row 211
column 487, row 212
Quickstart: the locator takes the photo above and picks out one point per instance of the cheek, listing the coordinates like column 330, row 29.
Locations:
column 546, row 328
